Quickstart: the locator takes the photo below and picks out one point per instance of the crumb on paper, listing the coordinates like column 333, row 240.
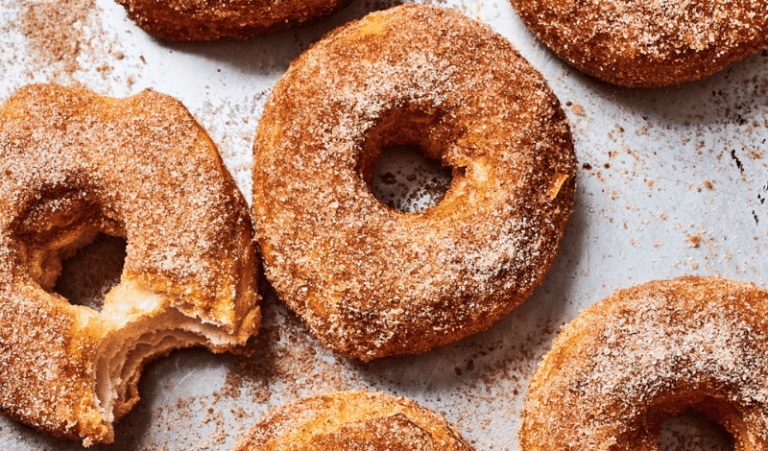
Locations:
column 577, row 109
column 694, row 239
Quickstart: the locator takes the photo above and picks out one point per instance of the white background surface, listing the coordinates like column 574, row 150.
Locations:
column 666, row 164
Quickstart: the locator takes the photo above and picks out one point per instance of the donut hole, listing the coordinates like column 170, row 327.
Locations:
column 693, row 430
column 88, row 275
column 406, row 180
column 66, row 249
column 403, row 161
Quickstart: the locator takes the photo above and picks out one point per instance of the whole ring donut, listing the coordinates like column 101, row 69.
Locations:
column 352, row 421
column 648, row 43
column 646, row 353
column 74, row 164
column 183, row 20
column 370, row 281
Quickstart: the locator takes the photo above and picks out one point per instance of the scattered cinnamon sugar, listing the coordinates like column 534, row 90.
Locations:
column 694, row 239
column 285, row 353
column 249, row 383
column 371, row 421
column 284, row 363
column 648, row 43
column 408, row 182
column 693, row 431
column 577, row 109
column 59, row 35
column 384, row 279
column 645, row 353
column 58, row 138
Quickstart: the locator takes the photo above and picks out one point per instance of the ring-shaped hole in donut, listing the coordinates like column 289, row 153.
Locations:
column 71, row 249
column 694, row 431
column 137, row 322
column 404, row 161
column 408, row 181
column 88, row 275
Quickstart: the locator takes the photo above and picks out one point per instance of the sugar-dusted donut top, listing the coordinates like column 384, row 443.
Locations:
column 372, row 281
column 648, row 43
column 629, row 361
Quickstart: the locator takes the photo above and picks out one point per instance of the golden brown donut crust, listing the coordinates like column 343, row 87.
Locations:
column 359, row 421
column 648, row 43
column 204, row 20
column 646, row 353
column 370, row 281
column 74, row 163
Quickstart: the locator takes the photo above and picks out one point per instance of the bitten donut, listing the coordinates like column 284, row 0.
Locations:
column 370, row 281
column 205, row 20
column 74, row 164
column 646, row 353
column 648, row 43
column 352, row 421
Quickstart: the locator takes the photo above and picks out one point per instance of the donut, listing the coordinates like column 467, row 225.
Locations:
column 370, row 281
column 203, row 20
column 74, row 164
column 629, row 362
column 352, row 421
column 648, row 44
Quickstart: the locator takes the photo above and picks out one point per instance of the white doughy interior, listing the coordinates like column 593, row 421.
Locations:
column 135, row 324
column 142, row 325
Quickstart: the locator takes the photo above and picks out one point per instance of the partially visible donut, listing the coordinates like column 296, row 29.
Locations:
column 204, row 20
column 352, row 421
column 648, row 43
column 632, row 360
column 370, row 281
column 74, row 164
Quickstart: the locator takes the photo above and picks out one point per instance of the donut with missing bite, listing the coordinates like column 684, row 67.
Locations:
column 74, row 164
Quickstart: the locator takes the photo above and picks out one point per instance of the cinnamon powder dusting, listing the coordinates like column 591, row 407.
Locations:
column 369, row 281
column 60, row 33
column 649, row 352
column 141, row 168
column 650, row 43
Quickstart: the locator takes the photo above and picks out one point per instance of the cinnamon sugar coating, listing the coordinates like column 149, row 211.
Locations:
column 648, row 43
column 74, row 164
column 354, row 421
column 370, row 281
column 646, row 353
column 204, row 20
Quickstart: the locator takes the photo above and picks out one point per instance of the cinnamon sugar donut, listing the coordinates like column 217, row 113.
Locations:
column 648, row 43
column 352, row 421
column 646, row 353
column 74, row 164
column 204, row 20
column 370, row 281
